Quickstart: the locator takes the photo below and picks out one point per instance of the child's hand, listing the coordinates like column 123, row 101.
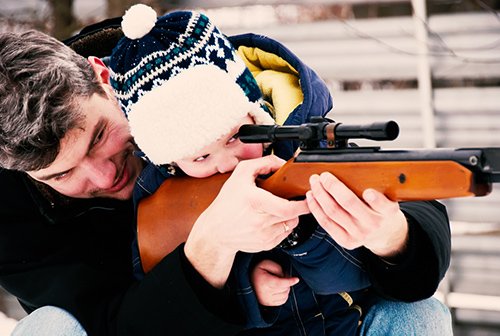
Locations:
column 374, row 221
column 270, row 284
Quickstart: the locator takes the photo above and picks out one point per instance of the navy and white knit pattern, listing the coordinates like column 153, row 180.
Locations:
column 177, row 76
column 179, row 41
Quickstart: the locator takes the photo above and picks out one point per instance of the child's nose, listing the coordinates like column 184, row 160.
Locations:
column 227, row 164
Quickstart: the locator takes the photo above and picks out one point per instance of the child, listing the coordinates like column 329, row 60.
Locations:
column 186, row 91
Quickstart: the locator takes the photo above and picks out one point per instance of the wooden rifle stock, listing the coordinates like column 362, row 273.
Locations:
column 166, row 218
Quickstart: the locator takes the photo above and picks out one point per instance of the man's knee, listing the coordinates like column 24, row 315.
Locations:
column 426, row 317
column 47, row 321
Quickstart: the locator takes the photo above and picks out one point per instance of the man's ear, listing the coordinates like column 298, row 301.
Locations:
column 100, row 69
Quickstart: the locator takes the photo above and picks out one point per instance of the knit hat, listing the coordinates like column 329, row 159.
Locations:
column 180, row 83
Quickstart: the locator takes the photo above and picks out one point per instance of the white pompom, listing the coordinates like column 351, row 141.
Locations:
column 138, row 21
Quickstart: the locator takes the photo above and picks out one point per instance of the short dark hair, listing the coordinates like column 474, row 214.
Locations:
column 41, row 82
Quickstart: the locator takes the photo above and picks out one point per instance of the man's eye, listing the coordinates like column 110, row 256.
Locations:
column 61, row 177
column 99, row 137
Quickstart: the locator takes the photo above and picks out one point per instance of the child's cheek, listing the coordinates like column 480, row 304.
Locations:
column 251, row 151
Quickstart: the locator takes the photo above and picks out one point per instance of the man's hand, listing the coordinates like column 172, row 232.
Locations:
column 270, row 284
column 374, row 221
column 244, row 218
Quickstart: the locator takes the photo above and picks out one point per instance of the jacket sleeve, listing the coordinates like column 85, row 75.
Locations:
column 180, row 302
column 415, row 275
column 83, row 264
column 163, row 302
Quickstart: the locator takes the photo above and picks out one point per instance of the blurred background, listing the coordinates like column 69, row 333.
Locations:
column 432, row 66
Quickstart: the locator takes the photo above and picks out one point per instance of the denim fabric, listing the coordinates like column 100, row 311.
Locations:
column 427, row 317
column 305, row 312
column 327, row 267
column 422, row 318
column 309, row 313
column 49, row 321
column 330, row 315
column 149, row 180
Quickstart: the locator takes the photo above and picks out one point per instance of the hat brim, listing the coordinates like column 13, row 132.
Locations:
column 191, row 110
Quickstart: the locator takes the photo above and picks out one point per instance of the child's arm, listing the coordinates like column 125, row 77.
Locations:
column 270, row 284
column 403, row 243
column 374, row 222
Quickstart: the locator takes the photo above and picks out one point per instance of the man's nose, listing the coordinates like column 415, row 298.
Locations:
column 101, row 173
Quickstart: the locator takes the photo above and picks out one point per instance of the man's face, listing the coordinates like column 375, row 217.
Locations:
column 96, row 160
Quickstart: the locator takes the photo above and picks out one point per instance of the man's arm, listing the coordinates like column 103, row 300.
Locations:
column 164, row 302
column 82, row 263
column 415, row 274
column 241, row 218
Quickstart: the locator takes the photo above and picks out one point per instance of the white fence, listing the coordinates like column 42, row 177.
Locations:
column 463, row 55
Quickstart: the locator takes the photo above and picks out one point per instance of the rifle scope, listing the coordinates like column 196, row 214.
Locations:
column 319, row 129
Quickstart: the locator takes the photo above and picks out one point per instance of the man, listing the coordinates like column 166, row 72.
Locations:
column 75, row 252
column 68, row 174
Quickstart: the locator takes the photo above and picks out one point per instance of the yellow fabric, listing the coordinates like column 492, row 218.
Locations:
column 277, row 79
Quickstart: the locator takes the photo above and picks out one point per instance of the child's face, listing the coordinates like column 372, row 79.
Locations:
column 221, row 156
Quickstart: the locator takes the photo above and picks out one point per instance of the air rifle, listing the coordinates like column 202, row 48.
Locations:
column 166, row 218
column 402, row 175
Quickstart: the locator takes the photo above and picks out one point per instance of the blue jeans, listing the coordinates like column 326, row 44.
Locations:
column 49, row 321
column 427, row 318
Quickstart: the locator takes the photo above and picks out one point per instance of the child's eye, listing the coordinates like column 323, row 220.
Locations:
column 233, row 138
column 201, row 158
